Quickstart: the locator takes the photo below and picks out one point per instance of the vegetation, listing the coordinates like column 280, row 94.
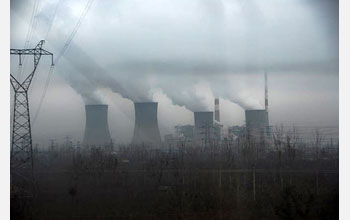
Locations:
column 278, row 177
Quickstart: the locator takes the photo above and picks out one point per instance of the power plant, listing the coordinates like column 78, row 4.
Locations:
column 206, row 129
column 207, row 126
column 184, row 132
column 203, row 127
column 212, row 153
column 146, row 130
column 218, row 127
column 96, row 126
column 257, row 120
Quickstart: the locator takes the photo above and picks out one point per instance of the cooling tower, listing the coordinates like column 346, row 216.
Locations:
column 96, row 125
column 256, row 118
column 204, row 127
column 257, row 122
column 203, row 118
column 146, row 124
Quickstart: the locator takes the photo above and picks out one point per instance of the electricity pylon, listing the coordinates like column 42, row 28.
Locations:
column 21, row 145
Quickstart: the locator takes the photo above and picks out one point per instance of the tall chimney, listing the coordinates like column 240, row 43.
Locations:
column 96, row 125
column 267, row 105
column 146, row 124
column 266, row 94
column 217, row 110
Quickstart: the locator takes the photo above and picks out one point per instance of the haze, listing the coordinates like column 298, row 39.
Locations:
column 182, row 54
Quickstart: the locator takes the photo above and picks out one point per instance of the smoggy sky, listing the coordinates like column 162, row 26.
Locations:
column 182, row 54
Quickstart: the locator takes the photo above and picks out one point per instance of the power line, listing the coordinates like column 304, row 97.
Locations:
column 52, row 19
column 71, row 36
column 61, row 53
column 52, row 67
column 29, row 34
column 43, row 94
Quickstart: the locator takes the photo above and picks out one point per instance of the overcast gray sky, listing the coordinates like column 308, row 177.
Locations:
column 182, row 54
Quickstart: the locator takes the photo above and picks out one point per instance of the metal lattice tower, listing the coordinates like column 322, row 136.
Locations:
column 21, row 145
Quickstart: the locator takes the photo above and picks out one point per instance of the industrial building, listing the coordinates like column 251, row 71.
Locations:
column 235, row 132
column 257, row 120
column 184, row 132
column 207, row 127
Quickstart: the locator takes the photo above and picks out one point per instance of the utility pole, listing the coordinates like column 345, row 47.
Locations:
column 21, row 144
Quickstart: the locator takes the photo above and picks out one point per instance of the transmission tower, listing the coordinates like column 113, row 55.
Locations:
column 21, row 145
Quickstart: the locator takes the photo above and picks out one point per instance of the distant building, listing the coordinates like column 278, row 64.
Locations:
column 236, row 131
column 218, row 128
column 184, row 132
column 169, row 139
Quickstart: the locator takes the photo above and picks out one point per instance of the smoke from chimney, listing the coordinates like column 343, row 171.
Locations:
column 87, row 77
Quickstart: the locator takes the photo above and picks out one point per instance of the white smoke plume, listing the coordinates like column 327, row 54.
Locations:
column 192, row 50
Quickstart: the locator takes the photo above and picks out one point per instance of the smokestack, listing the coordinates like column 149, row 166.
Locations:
column 203, row 127
column 96, row 125
column 217, row 110
column 146, row 124
column 266, row 94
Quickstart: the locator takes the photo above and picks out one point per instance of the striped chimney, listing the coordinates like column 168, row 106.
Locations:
column 217, row 110
column 266, row 94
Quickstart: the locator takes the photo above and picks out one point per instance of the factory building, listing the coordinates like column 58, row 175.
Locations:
column 184, row 132
column 218, row 128
column 235, row 132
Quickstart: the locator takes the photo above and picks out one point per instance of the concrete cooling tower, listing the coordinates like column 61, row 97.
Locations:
column 203, row 118
column 256, row 118
column 96, row 125
column 146, row 129
column 257, row 122
column 204, row 127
